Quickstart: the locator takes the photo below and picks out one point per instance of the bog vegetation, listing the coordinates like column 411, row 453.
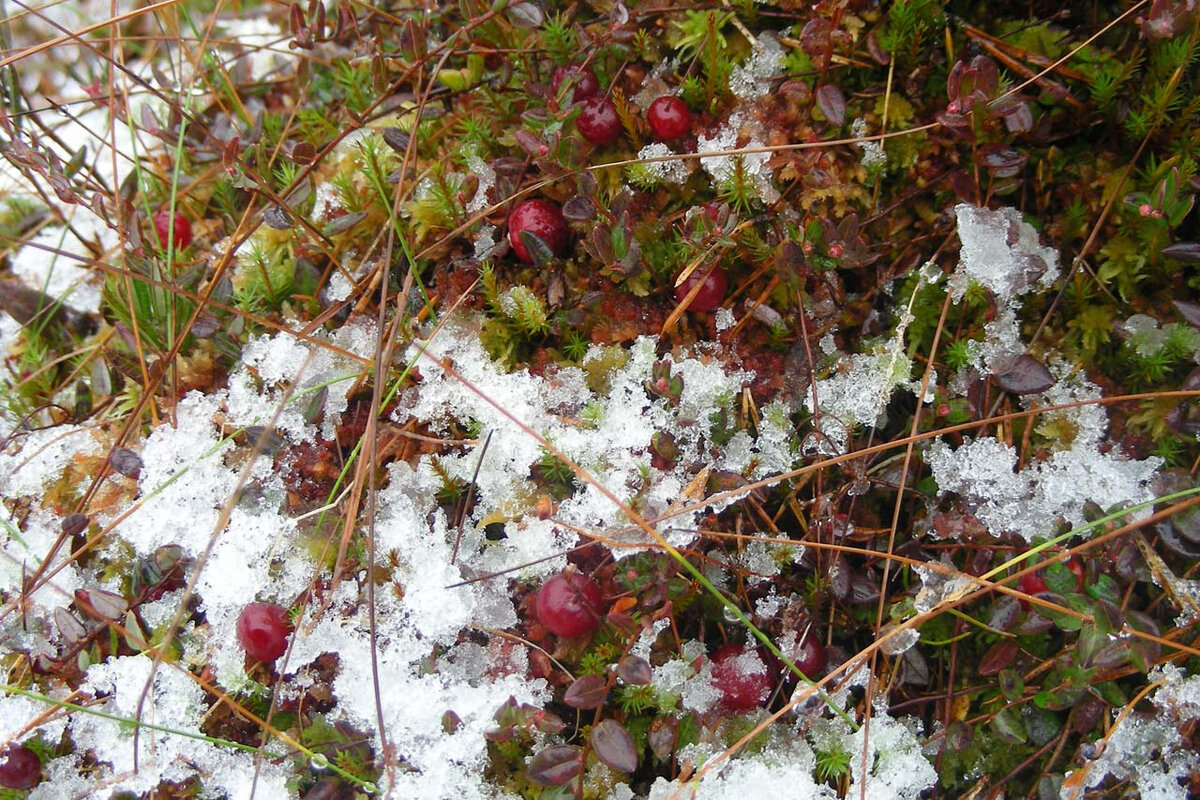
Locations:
column 600, row 400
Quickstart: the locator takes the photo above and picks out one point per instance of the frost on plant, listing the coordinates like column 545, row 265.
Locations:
column 657, row 163
column 1148, row 748
column 1001, row 252
column 740, row 168
column 751, row 79
column 856, row 394
column 1029, row 501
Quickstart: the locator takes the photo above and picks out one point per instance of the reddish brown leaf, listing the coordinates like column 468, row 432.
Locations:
column 614, row 746
column 634, row 670
column 999, row 656
column 587, row 692
column 832, row 103
column 555, row 765
column 1026, row 375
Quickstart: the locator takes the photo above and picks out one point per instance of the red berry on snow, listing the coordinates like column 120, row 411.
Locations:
column 544, row 220
column 743, row 676
column 569, row 604
column 163, row 224
column 586, row 82
column 598, row 122
column 711, row 293
column 263, row 630
column 669, row 118
column 20, row 768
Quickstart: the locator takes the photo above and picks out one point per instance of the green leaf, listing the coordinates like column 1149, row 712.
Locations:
column 1009, row 726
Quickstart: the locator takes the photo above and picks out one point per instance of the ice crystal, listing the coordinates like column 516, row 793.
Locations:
column 1001, row 252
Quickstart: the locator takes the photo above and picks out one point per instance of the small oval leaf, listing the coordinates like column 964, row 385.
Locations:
column 587, row 692
column 278, row 218
column 832, row 103
column 344, row 223
column 125, row 461
column 663, row 734
column 999, row 657
column 1187, row 252
column 1005, row 613
column 635, row 671
column 614, row 746
column 1009, row 725
column 1189, row 311
column 525, row 16
column 579, row 209
column 1025, row 375
column 555, row 765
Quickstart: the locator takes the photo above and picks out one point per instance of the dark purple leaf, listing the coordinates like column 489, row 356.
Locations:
column 579, row 209
column 814, row 38
column 69, row 628
column 1000, row 656
column 1019, row 119
column 100, row 604
column 614, row 746
column 1032, row 625
column 876, row 51
column 396, row 139
column 1189, row 311
column 1025, row 375
column 1188, row 252
column 526, row 16
column 344, row 223
column 62, row 188
column 864, row 588
column 125, row 461
column 587, row 692
column 538, row 250
column 555, row 765
column 529, row 143
column 618, row 15
column 205, row 326
column 74, row 524
column 278, row 218
column 1005, row 613
column 832, row 103
column 663, row 734
column 1002, row 160
column 634, row 670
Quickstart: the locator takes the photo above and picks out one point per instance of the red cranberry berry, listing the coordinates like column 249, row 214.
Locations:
column 586, row 82
column 1032, row 583
column 598, row 121
column 544, row 220
column 811, row 657
column 164, row 222
column 669, row 118
column 569, row 604
column 20, row 768
column 743, row 676
column 711, row 293
column 263, row 630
